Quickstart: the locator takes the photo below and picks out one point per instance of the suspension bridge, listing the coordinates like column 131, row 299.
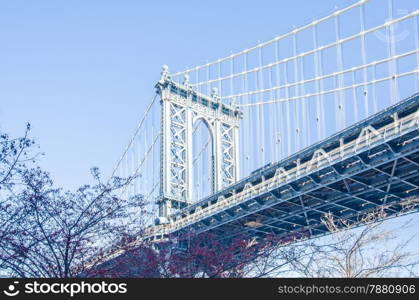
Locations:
column 323, row 118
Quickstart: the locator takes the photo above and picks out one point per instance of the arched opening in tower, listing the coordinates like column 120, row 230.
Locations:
column 202, row 160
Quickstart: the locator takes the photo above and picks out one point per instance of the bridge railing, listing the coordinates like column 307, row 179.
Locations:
column 366, row 139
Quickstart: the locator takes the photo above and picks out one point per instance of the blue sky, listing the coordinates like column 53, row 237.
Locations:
column 82, row 71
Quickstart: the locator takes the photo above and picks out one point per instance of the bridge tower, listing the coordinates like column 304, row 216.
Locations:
column 181, row 108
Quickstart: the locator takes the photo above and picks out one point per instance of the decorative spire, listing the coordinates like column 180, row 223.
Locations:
column 186, row 81
column 214, row 94
column 164, row 74
column 233, row 103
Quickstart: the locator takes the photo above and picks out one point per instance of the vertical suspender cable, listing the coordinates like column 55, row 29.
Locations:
column 416, row 33
column 208, row 78
column 392, row 52
column 374, row 89
column 271, row 144
column 296, row 89
column 364, row 60
column 304, row 127
column 322, row 108
column 261, row 132
column 231, row 73
column 153, row 164
column 317, row 82
column 249, row 120
column 354, row 98
column 198, row 88
column 219, row 80
column 135, row 147
column 146, row 136
column 255, row 136
column 287, row 108
column 278, row 110
column 341, row 122
column 137, row 131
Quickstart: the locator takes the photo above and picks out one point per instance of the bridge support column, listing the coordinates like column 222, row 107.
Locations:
column 181, row 108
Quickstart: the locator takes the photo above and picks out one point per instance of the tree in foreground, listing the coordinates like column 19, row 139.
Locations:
column 361, row 249
column 48, row 232
column 355, row 248
column 96, row 231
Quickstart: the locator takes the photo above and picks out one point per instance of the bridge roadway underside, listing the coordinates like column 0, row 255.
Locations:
column 382, row 176
column 389, row 180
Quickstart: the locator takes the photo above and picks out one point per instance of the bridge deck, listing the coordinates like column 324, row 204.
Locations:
column 373, row 163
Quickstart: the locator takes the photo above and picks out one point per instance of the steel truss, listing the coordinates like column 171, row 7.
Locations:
column 181, row 109
column 372, row 164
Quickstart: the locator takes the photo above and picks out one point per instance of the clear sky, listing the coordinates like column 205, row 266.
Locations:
column 82, row 71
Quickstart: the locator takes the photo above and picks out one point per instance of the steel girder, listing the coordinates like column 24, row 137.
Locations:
column 181, row 109
column 375, row 174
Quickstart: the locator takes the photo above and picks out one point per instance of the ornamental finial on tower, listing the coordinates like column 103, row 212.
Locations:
column 186, row 81
column 214, row 94
column 233, row 103
column 164, row 73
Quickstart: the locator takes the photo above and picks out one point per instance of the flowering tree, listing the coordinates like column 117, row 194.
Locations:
column 15, row 155
column 48, row 232
column 204, row 255
column 91, row 232
column 189, row 256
